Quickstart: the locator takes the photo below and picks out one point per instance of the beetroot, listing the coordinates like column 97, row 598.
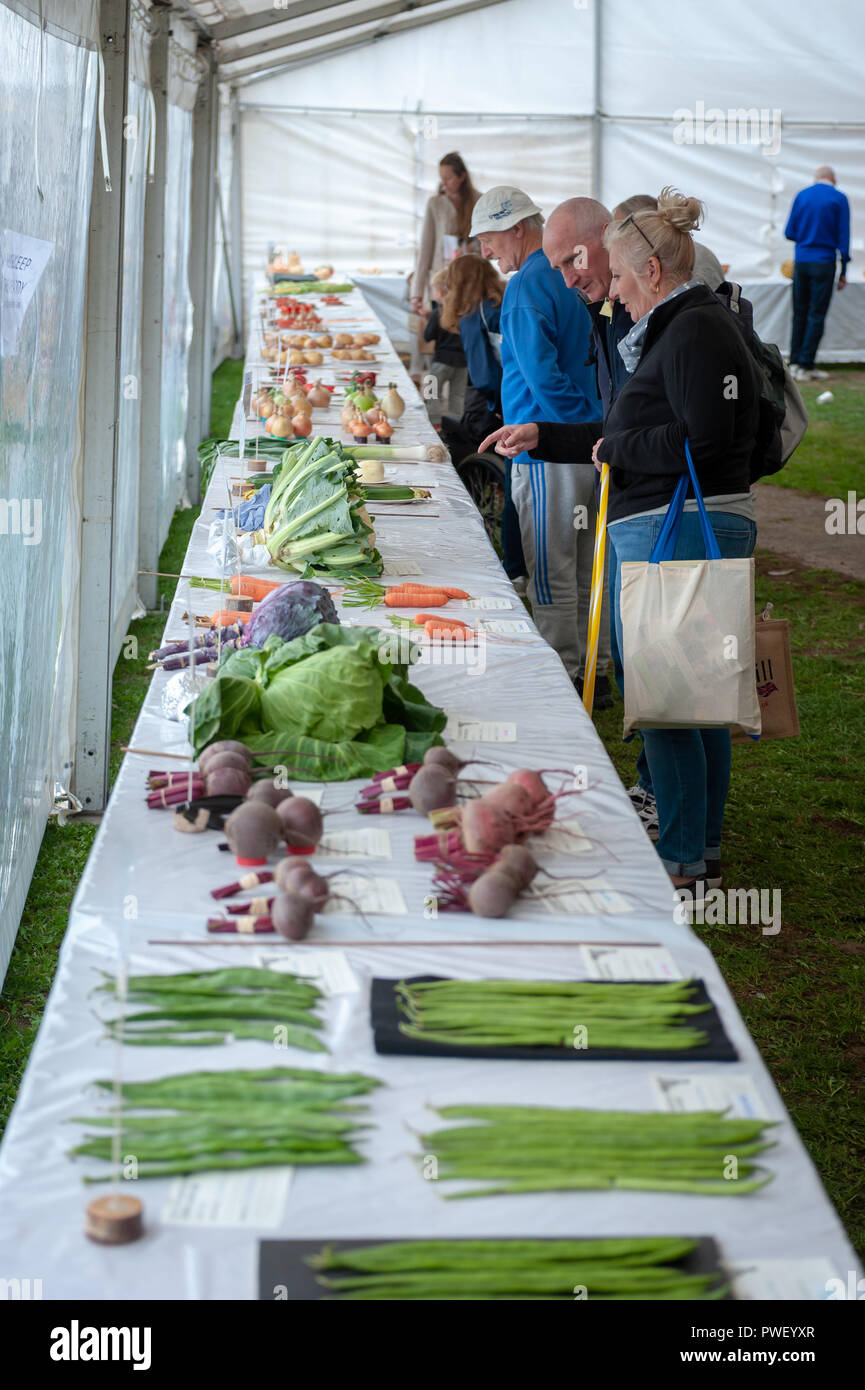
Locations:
column 485, row 828
column 492, row 894
column 433, row 788
column 302, row 822
column 227, row 781
column 511, row 797
column 227, row 759
column 442, row 757
column 225, row 745
column 517, row 864
column 531, row 782
column 297, row 876
column 268, row 791
column 253, row 831
column 292, row 915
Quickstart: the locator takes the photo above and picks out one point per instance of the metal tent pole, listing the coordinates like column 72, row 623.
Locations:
column 237, row 223
column 597, row 124
column 153, row 276
column 202, row 248
column 102, row 387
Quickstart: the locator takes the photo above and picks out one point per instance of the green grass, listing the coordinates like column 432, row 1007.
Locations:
column 831, row 458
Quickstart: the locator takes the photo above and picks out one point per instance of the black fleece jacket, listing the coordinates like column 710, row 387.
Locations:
column 695, row 379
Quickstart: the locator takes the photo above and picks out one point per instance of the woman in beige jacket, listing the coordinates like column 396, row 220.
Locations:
column 448, row 213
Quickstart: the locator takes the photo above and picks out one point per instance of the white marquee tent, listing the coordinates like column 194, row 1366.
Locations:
column 149, row 153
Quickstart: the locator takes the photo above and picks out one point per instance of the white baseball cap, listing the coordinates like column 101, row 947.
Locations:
column 500, row 209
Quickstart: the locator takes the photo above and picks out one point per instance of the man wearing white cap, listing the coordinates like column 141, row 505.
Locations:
column 545, row 376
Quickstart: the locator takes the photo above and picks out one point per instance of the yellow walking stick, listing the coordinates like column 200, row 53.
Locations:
column 597, row 600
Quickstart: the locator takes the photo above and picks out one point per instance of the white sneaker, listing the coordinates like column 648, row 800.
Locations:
column 798, row 373
column 644, row 804
column 815, row 375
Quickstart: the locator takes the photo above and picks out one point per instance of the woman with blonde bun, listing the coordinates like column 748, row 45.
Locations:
column 692, row 378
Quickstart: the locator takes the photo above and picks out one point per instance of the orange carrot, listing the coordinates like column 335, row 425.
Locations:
column 439, row 588
column 400, row 597
column 245, row 586
column 421, row 619
column 445, row 631
column 226, row 617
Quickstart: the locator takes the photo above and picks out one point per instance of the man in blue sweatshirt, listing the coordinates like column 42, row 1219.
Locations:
column 819, row 223
column 545, row 332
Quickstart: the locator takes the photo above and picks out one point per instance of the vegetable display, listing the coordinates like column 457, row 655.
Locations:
column 291, row 287
column 328, row 706
column 647, row 1268
column 208, row 1007
column 524, row 1148
column 232, row 1119
column 543, row 1013
column 315, row 520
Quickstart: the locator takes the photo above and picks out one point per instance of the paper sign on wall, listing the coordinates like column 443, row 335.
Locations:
column 24, row 259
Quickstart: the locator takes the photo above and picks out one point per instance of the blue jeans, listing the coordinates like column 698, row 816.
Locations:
column 644, row 776
column 812, row 294
column 690, row 768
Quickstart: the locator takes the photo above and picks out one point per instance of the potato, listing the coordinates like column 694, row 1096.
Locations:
column 324, row 340
column 313, row 359
column 295, row 358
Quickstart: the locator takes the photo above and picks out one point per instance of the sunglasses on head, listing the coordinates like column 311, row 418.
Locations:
column 630, row 218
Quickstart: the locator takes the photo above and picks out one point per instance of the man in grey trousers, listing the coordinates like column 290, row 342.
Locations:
column 545, row 331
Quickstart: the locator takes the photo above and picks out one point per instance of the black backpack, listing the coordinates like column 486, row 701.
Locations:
column 783, row 417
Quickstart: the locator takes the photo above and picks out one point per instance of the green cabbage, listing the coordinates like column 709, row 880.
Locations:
column 331, row 699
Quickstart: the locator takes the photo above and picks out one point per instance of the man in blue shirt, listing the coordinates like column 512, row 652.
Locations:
column 546, row 376
column 819, row 223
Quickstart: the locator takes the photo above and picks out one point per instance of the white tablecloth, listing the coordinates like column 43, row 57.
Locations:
column 145, row 885
column 844, row 333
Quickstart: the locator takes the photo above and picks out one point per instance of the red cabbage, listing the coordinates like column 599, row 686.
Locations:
column 290, row 611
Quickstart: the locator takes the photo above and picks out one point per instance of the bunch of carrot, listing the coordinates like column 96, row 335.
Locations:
column 365, row 593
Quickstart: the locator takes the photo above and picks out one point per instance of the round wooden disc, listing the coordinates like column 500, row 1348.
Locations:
column 114, row 1220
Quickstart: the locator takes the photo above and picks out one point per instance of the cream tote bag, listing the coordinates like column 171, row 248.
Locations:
column 688, row 633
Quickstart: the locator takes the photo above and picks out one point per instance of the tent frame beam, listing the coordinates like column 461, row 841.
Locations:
column 152, row 286
column 386, row 10
column 389, row 29
column 102, row 394
column 263, row 19
column 202, row 244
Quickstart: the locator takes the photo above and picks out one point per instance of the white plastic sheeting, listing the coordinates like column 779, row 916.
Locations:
column 791, row 85
column 39, row 395
column 844, row 334
column 358, row 182
column 176, row 314
column 145, row 884
column 124, row 545
column 224, row 335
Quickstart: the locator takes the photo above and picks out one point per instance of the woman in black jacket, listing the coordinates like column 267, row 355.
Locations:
column 692, row 377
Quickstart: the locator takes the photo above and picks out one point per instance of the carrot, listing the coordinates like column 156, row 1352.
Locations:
column 442, row 588
column 226, row 616
column 421, row 619
column 441, row 628
column 245, row 586
column 409, row 598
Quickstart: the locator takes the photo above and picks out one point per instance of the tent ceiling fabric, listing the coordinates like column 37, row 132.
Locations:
column 250, row 39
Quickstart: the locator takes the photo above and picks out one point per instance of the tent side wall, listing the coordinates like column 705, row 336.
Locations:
column 40, row 371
